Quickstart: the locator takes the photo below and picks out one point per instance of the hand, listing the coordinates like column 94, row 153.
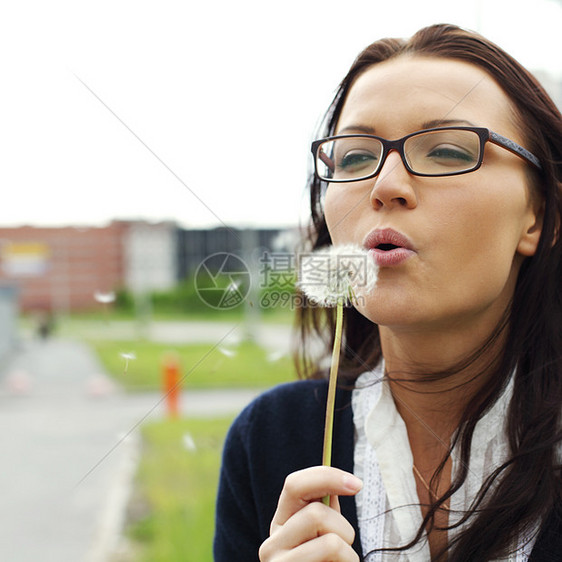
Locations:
column 303, row 528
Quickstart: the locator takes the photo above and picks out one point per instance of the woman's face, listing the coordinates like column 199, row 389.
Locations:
column 466, row 236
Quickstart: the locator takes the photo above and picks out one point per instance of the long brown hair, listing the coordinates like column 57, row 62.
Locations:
column 525, row 489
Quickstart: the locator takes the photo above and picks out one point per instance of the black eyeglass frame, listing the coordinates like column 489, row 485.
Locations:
column 485, row 135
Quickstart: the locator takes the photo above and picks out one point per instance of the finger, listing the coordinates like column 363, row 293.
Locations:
column 326, row 547
column 335, row 503
column 314, row 520
column 312, row 484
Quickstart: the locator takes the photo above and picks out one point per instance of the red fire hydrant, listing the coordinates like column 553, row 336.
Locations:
column 171, row 383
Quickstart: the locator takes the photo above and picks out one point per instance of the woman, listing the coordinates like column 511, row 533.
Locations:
column 451, row 378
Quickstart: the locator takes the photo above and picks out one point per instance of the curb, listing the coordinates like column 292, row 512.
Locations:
column 110, row 526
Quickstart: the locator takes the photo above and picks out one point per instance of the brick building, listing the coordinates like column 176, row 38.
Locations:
column 62, row 269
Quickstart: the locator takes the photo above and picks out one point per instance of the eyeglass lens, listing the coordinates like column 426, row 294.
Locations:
column 433, row 153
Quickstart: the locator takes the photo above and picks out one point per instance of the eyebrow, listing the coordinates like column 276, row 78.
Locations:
column 357, row 129
column 446, row 122
column 426, row 125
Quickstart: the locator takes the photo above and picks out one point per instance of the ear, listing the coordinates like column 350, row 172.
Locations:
column 532, row 230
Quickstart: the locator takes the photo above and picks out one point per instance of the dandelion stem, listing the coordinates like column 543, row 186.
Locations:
column 330, row 403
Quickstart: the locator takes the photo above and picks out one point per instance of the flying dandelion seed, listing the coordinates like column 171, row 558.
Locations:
column 189, row 443
column 275, row 356
column 104, row 298
column 128, row 357
column 227, row 352
column 233, row 294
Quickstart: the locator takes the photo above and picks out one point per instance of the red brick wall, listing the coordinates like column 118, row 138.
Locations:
column 70, row 264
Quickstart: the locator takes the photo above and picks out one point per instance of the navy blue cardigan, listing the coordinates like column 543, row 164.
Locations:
column 279, row 433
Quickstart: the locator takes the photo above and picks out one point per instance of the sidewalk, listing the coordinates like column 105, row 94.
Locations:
column 68, row 440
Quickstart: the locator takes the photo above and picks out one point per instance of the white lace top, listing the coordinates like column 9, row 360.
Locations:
column 388, row 506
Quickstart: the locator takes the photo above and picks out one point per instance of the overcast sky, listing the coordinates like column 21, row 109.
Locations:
column 185, row 110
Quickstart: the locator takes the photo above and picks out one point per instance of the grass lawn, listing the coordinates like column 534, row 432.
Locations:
column 171, row 515
column 202, row 365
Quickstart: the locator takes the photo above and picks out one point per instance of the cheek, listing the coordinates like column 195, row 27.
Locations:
column 475, row 235
column 482, row 247
column 332, row 210
column 341, row 209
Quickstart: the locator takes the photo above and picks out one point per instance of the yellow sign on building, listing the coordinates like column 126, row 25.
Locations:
column 25, row 259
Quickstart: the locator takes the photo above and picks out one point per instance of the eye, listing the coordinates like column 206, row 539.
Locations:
column 450, row 154
column 356, row 161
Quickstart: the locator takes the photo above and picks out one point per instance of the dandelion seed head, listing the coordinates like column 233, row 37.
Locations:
column 334, row 274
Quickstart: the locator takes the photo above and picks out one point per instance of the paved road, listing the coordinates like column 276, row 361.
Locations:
column 68, row 441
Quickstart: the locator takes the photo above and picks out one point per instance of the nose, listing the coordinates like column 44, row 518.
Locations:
column 393, row 185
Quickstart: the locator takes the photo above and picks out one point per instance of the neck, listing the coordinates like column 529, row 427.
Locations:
column 432, row 405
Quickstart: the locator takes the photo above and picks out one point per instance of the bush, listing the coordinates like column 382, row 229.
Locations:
column 183, row 299
column 124, row 300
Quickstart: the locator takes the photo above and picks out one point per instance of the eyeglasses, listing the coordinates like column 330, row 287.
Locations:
column 444, row 151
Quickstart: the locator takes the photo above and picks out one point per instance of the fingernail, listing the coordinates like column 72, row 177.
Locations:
column 352, row 483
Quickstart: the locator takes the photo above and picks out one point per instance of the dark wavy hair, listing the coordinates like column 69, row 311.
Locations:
column 528, row 486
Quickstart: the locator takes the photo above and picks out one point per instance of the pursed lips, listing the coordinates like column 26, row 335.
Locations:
column 388, row 247
column 386, row 239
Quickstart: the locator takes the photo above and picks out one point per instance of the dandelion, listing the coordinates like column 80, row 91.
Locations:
column 332, row 277
column 337, row 274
